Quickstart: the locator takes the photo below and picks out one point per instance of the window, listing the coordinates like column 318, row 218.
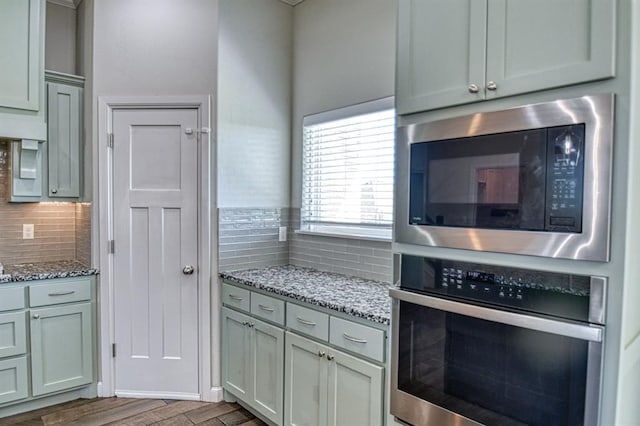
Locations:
column 348, row 170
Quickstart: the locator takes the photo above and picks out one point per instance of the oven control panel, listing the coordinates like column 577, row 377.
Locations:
column 564, row 295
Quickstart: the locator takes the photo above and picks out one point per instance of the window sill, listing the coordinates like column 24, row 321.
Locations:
column 350, row 232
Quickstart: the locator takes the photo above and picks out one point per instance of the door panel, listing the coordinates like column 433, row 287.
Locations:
column 534, row 45
column 155, row 233
column 306, row 382
column 355, row 391
column 235, row 345
column 268, row 370
column 441, row 51
column 61, row 347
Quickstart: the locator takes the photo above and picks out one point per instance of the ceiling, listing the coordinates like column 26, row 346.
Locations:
column 74, row 3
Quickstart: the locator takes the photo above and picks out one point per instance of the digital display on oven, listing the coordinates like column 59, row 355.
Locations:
column 481, row 277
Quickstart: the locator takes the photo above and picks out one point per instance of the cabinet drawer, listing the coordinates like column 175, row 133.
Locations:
column 13, row 334
column 236, row 297
column 59, row 292
column 13, row 379
column 11, row 298
column 357, row 338
column 268, row 308
column 308, row 321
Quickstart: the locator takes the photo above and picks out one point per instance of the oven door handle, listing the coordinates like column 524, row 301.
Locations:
column 592, row 333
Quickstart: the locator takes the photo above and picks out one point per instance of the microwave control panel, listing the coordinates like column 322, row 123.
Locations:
column 565, row 177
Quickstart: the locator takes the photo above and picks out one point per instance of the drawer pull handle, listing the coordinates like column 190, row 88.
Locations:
column 353, row 339
column 234, row 297
column 62, row 293
column 265, row 308
column 305, row 322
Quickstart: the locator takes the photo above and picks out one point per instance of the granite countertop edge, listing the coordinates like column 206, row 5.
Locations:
column 45, row 270
column 317, row 300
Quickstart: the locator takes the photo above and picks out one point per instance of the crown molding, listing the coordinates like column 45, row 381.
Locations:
column 292, row 2
column 72, row 4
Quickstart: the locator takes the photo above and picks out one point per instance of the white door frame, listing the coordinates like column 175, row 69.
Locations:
column 209, row 334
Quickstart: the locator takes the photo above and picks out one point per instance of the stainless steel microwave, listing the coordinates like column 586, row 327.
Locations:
column 529, row 180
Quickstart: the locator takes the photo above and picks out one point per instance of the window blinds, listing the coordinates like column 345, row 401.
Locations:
column 348, row 170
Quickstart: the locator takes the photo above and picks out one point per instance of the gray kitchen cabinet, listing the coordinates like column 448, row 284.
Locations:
column 22, row 65
column 20, row 54
column 46, row 340
column 64, row 129
column 324, row 386
column 462, row 51
column 14, row 380
column 61, row 347
column 252, row 362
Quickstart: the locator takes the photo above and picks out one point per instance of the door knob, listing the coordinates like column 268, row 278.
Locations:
column 187, row 270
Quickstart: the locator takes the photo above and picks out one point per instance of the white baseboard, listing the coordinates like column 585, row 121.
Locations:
column 158, row 395
column 214, row 395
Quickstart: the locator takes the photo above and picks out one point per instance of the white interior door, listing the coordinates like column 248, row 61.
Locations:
column 155, row 172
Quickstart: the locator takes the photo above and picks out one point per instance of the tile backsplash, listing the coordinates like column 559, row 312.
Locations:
column 248, row 238
column 61, row 229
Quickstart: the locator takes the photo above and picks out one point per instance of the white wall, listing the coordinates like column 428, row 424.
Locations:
column 155, row 47
column 254, row 101
column 60, row 39
column 343, row 54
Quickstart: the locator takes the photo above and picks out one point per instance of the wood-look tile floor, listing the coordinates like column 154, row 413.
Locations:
column 127, row 411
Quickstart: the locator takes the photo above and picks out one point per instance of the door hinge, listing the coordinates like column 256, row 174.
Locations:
column 109, row 140
column 113, row 350
column 111, row 246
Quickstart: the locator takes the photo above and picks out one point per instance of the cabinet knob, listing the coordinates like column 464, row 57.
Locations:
column 492, row 85
column 54, row 191
column 321, row 354
column 473, row 88
column 330, row 357
column 36, row 316
column 187, row 270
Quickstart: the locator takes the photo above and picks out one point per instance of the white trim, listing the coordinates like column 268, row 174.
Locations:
column 350, row 111
column 208, row 312
column 292, row 2
column 71, row 4
column 158, row 395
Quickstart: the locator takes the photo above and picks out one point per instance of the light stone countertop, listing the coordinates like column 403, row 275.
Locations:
column 45, row 270
column 352, row 295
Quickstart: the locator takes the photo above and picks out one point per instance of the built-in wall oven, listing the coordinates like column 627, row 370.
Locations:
column 475, row 343
column 529, row 180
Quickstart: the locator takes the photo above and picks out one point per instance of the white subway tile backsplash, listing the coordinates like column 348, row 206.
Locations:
column 248, row 238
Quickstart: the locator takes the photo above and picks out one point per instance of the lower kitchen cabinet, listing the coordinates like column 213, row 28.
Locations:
column 46, row 341
column 61, row 347
column 252, row 362
column 324, row 386
column 13, row 379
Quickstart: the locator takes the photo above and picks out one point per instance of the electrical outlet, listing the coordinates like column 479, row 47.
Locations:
column 27, row 231
column 282, row 233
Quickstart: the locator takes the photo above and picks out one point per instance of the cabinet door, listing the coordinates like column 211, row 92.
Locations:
column 64, row 129
column 20, row 54
column 13, row 334
column 355, row 391
column 236, row 354
column 267, row 384
column 61, row 347
column 13, row 379
column 305, row 382
column 440, row 53
column 539, row 44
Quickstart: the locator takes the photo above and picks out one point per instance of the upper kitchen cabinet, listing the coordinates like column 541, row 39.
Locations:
column 22, row 65
column 64, row 129
column 462, row 51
